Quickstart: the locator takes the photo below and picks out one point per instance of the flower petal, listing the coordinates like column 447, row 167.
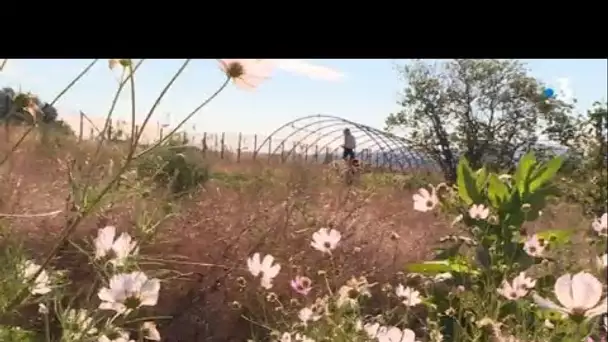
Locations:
column 563, row 291
column 586, row 290
column 149, row 292
column 547, row 304
column 602, row 308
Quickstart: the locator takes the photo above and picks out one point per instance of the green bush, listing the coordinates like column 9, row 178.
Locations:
column 179, row 168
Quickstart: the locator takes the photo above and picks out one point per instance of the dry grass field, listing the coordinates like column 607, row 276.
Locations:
column 245, row 207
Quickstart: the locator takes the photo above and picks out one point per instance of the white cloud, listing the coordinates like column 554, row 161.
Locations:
column 302, row 67
column 564, row 90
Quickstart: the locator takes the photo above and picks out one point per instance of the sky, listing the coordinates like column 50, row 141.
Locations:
column 362, row 90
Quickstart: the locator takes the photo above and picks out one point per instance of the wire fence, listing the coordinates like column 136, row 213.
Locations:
column 238, row 147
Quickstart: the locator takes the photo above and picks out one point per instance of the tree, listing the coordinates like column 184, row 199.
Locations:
column 585, row 168
column 486, row 110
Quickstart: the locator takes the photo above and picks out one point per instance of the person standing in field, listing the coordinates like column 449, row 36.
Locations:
column 349, row 145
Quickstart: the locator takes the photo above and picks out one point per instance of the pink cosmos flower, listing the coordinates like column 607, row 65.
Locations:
column 301, row 285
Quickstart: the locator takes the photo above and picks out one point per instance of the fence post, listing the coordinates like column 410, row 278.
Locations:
column 204, row 143
column 81, row 128
column 133, row 139
column 222, row 145
column 255, row 146
column 306, row 153
column 294, row 156
column 269, row 149
column 110, row 130
column 283, row 151
column 238, row 149
column 316, row 153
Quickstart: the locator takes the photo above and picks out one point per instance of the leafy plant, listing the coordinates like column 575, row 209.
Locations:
column 180, row 168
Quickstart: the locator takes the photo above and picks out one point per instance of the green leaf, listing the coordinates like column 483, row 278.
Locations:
column 524, row 169
column 557, row 236
column 429, row 267
column 498, row 192
column 545, row 173
column 10, row 333
column 481, row 179
column 439, row 266
column 466, row 181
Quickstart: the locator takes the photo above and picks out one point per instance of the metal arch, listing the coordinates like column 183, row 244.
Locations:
column 315, row 142
column 367, row 141
column 398, row 146
column 365, row 129
column 382, row 136
column 292, row 122
column 300, row 129
column 265, row 141
column 338, row 137
column 420, row 158
column 387, row 158
column 334, row 123
column 406, row 151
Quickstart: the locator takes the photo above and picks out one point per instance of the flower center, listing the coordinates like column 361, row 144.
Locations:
column 132, row 302
column 353, row 293
column 235, row 70
column 327, row 245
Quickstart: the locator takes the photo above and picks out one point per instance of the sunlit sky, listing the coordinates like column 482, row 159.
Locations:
column 366, row 93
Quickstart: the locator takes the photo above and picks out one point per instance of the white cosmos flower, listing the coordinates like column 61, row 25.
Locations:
column 306, row 314
column 394, row 334
column 286, row 337
column 247, row 73
column 479, row 212
column 41, row 284
column 443, row 276
column 119, row 249
column 354, row 288
column 534, row 247
column 578, row 295
column 371, row 329
column 410, row 296
column 303, row 338
column 457, row 219
column 601, row 225
column 118, row 336
column 129, row 291
column 518, row 288
column 425, row 200
column 150, row 331
column 325, row 240
column 265, row 268
column 42, row 309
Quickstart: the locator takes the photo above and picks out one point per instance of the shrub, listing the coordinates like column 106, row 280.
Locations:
column 179, row 168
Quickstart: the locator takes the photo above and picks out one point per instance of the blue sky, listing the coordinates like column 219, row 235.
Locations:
column 366, row 94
